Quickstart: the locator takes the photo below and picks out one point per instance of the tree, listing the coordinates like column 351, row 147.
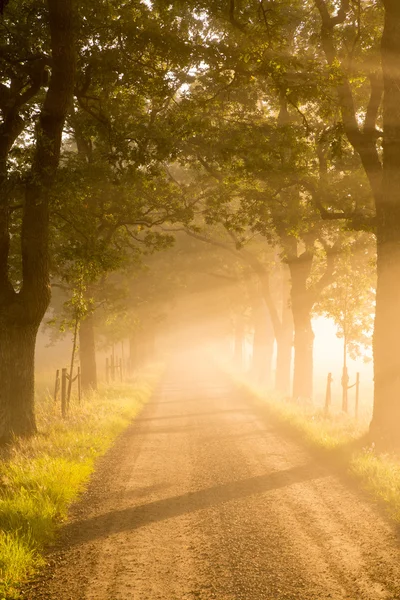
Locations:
column 273, row 295
column 255, row 164
column 378, row 150
column 330, row 68
column 350, row 301
column 30, row 66
column 102, row 223
column 122, row 59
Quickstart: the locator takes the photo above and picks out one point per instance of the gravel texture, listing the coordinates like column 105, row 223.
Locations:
column 203, row 499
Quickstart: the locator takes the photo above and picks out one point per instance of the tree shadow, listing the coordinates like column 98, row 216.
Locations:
column 157, row 401
column 167, row 430
column 253, row 433
column 198, row 414
column 136, row 517
column 138, row 492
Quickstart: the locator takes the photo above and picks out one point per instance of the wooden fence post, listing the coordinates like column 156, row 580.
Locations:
column 328, row 396
column 57, row 385
column 64, row 393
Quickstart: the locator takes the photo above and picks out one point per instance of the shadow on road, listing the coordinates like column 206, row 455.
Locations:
column 136, row 517
column 157, row 430
column 200, row 414
column 139, row 492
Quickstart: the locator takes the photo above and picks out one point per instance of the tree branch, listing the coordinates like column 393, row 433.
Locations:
column 374, row 103
column 232, row 17
column 363, row 143
column 328, row 275
column 358, row 220
column 57, row 101
column 257, row 268
column 210, row 170
column 328, row 21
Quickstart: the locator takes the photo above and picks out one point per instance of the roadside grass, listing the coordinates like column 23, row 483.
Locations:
column 41, row 476
column 379, row 475
column 340, row 438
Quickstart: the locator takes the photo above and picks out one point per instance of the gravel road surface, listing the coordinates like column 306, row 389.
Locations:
column 203, row 499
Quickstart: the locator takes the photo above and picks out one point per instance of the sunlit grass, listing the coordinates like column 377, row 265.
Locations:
column 18, row 560
column 330, row 432
column 379, row 475
column 40, row 477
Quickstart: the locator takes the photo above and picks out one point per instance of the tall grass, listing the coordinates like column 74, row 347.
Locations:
column 40, row 477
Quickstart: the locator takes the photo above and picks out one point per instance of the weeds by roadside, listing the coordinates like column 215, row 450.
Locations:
column 40, row 477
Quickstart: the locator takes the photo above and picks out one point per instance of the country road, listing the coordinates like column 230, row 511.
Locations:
column 203, row 499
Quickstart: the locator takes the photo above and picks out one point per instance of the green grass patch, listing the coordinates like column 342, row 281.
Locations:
column 41, row 476
column 333, row 432
column 340, row 438
column 379, row 474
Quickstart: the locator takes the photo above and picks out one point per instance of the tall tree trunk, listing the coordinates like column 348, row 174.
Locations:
column 87, row 354
column 284, row 345
column 384, row 179
column 22, row 312
column 284, row 340
column 385, row 423
column 263, row 344
column 303, row 353
column 302, row 301
column 386, row 343
column 17, row 349
column 386, row 415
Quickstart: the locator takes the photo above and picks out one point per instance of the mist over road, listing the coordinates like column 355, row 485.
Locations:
column 203, row 499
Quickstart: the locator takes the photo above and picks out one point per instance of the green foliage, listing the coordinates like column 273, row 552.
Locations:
column 203, row 115
column 380, row 476
column 112, row 187
column 350, row 300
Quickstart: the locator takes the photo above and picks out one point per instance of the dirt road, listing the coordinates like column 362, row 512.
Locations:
column 202, row 499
